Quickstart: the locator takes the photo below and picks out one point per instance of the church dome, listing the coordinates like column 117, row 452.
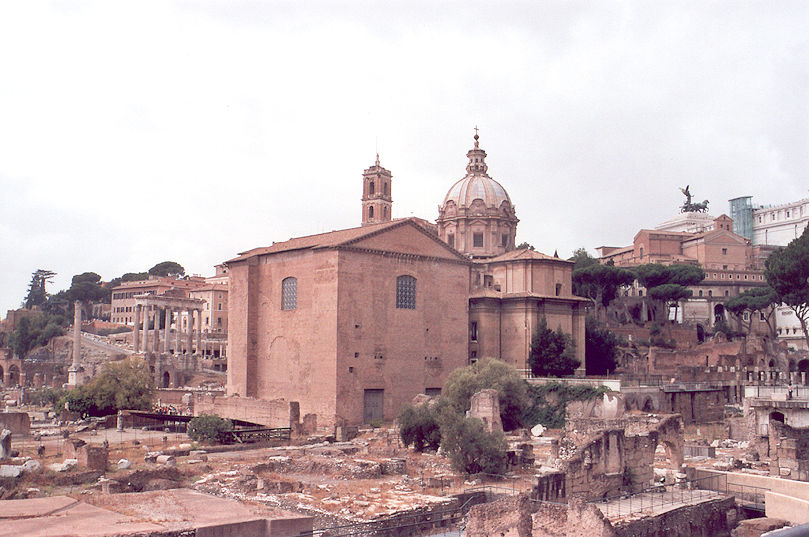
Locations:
column 481, row 187
column 477, row 217
column 477, row 184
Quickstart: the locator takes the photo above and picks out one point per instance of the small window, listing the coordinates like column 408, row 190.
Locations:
column 451, row 240
column 385, row 212
column 289, row 293
column 700, row 292
column 641, row 252
column 473, row 331
column 710, row 292
column 370, row 212
column 761, row 316
column 727, row 293
column 371, row 188
column 477, row 240
column 385, row 188
column 406, row 292
column 504, row 240
column 558, row 289
column 724, row 251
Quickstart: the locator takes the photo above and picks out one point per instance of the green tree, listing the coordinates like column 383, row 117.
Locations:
column 209, row 428
column 37, row 295
column 167, row 268
column 34, row 331
column 126, row 384
column 670, row 294
column 761, row 300
column 787, row 272
column 600, row 283
column 601, row 348
column 471, row 448
column 654, row 275
column 524, row 246
column 552, row 353
column 464, row 382
column 419, row 426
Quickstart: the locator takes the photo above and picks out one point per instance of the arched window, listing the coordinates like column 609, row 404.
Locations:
column 385, row 212
column 370, row 212
column 371, row 187
column 406, row 292
column 289, row 293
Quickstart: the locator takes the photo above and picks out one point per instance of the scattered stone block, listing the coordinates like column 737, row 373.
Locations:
column 166, row 460
column 538, row 429
column 394, row 466
column 10, row 470
column 5, row 444
column 31, row 466
column 68, row 464
column 124, row 464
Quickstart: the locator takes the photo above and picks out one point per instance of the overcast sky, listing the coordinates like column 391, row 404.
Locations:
column 137, row 132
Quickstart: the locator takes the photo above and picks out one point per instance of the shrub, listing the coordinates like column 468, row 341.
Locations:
column 471, row 448
column 464, row 382
column 418, row 426
column 209, row 428
column 127, row 384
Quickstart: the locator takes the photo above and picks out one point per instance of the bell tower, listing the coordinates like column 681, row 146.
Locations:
column 376, row 194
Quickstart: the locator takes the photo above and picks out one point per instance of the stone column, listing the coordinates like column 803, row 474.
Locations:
column 76, row 333
column 178, row 328
column 166, row 330
column 145, row 328
column 74, row 369
column 136, row 330
column 156, row 342
column 199, row 331
column 189, row 340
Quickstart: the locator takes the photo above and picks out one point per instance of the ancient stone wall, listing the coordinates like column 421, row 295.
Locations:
column 503, row 517
column 709, row 519
column 550, row 487
column 271, row 413
column 18, row 423
column 485, row 405
column 789, row 449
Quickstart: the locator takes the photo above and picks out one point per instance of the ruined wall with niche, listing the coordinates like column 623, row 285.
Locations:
column 617, row 455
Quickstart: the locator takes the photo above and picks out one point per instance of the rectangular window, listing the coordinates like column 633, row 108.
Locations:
column 289, row 293
column 477, row 240
column 724, row 251
column 504, row 240
column 473, row 331
column 451, row 241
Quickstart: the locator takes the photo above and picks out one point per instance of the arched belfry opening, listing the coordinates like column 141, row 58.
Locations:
column 376, row 194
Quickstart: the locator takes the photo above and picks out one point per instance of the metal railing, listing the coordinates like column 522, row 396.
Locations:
column 685, row 493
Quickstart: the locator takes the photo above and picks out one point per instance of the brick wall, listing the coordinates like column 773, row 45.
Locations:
column 271, row 413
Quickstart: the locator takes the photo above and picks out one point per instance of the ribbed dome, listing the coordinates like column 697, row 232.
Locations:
column 473, row 187
column 477, row 184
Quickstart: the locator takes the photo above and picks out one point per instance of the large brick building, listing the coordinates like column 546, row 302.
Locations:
column 731, row 264
column 352, row 324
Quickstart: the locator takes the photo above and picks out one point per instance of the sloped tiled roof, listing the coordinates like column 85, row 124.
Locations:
column 342, row 237
column 524, row 253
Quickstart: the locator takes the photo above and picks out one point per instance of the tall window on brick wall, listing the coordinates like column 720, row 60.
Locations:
column 406, row 292
column 289, row 293
column 477, row 240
